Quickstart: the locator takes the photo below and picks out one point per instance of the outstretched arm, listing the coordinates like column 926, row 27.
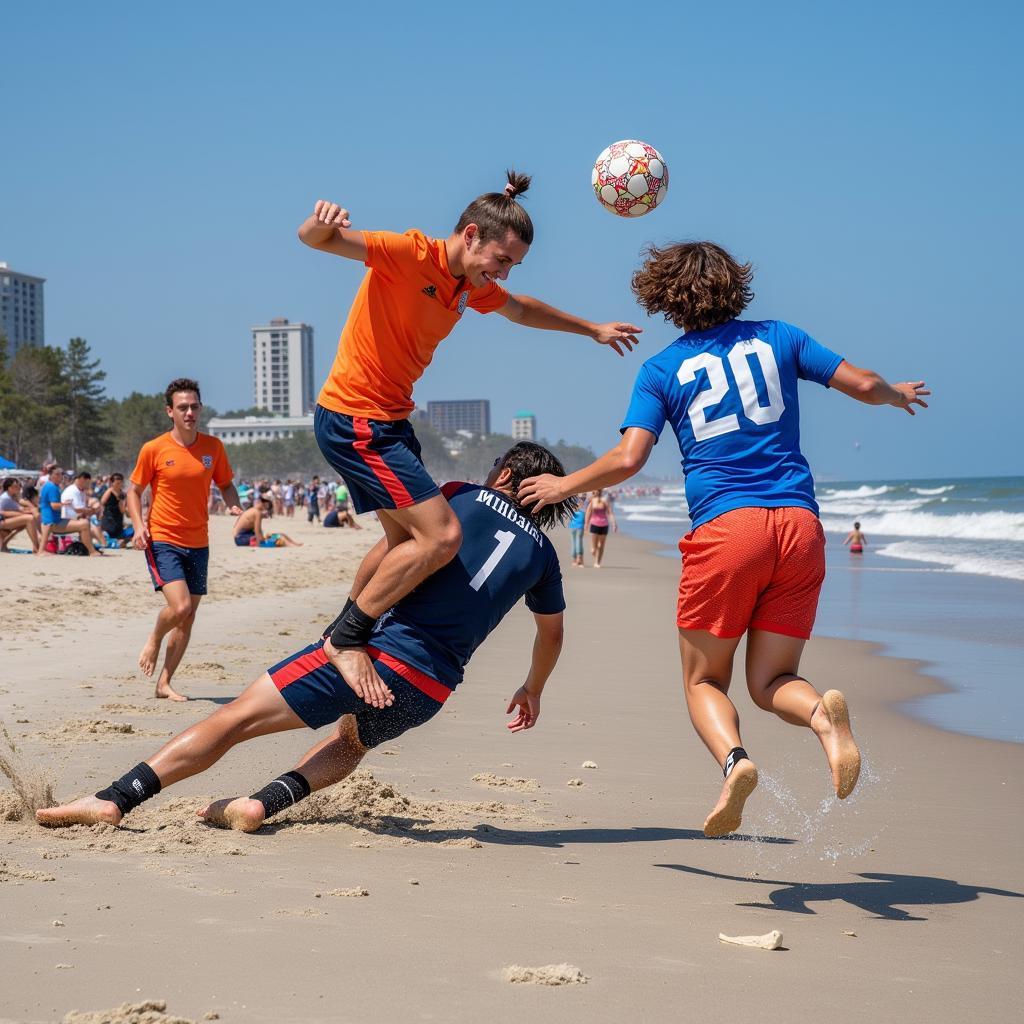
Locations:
column 626, row 459
column 326, row 229
column 546, row 647
column 872, row 389
column 531, row 312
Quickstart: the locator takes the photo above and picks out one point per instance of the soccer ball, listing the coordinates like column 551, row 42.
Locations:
column 630, row 178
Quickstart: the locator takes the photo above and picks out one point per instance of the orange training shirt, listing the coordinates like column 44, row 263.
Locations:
column 180, row 478
column 406, row 306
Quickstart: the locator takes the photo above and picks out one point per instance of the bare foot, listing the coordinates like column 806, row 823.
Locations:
column 356, row 668
column 831, row 724
column 728, row 812
column 90, row 810
column 149, row 654
column 241, row 813
column 164, row 689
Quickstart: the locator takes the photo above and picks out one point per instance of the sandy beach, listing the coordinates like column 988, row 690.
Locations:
column 461, row 851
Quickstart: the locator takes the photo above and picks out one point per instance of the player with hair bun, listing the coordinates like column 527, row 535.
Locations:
column 414, row 293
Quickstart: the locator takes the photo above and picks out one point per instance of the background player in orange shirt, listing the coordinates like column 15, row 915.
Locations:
column 415, row 292
column 178, row 466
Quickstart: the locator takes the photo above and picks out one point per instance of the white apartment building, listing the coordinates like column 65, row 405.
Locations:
column 21, row 308
column 282, row 368
column 524, row 427
column 245, row 429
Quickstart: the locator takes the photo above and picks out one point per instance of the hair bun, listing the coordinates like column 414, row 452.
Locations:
column 517, row 184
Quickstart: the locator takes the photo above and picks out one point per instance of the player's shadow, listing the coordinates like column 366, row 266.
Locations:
column 881, row 894
column 214, row 700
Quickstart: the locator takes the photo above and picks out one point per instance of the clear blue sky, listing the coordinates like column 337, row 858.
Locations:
column 866, row 158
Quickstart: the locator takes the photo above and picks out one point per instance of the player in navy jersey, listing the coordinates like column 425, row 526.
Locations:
column 754, row 559
column 420, row 648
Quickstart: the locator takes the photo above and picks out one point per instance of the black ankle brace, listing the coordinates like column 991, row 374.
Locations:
column 337, row 619
column 284, row 791
column 132, row 789
column 736, row 754
column 354, row 629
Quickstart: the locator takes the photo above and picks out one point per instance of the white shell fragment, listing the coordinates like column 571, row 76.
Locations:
column 773, row 940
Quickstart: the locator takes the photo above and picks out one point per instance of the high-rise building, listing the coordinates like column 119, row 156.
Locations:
column 473, row 415
column 21, row 308
column 282, row 368
column 524, row 427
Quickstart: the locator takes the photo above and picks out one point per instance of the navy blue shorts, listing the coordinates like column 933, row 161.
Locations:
column 379, row 460
column 314, row 689
column 168, row 562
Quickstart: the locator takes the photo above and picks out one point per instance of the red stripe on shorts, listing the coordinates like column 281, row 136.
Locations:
column 299, row 667
column 424, row 683
column 151, row 560
column 380, row 469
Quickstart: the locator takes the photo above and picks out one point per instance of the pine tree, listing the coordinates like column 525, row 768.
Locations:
column 87, row 436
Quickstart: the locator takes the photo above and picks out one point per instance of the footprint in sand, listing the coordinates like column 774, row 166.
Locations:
column 505, row 782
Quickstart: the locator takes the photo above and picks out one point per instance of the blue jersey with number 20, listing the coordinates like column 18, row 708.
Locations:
column 730, row 394
column 438, row 626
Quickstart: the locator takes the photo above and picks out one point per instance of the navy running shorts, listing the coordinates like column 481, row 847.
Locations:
column 379, row 460
column 169, row 562
column 314, row 689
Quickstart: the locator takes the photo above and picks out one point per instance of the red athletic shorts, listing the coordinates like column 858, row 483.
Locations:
column 753, row 568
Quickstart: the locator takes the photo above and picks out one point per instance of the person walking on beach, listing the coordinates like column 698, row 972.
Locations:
column 857, row 541
column 313, row 502
column 179, row 467
column 421, row 648
column 754, row 560
column 576, row 528
column 599, row 519
column 413, row 295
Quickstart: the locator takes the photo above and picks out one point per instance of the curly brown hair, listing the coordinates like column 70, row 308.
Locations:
column 696, row 285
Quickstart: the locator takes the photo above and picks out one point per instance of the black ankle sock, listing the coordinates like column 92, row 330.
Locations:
column 736, row 754
column 354, row 629
column 130, row 790
column 284, row 791
column 334, row 625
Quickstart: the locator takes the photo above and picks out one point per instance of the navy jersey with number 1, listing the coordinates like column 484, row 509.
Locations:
column 436, row 627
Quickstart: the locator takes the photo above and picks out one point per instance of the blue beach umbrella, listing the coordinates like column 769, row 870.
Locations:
column 6, row 463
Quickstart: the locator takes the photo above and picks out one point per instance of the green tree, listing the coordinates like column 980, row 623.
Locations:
column 87, row 436
column 130, row 423
column 31, row 404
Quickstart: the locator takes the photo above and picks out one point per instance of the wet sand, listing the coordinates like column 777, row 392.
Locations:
column 467, row 873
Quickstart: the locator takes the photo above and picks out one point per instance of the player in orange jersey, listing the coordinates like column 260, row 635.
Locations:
column 179, row 467
column 415, row 292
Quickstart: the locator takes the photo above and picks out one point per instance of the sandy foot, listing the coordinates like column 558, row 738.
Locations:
column 240, row 813
column 831, row 723
column 89, row 810
column 728, row 812
column 165, row 690
column 148, row 655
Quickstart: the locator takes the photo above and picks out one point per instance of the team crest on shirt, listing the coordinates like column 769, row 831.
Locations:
column 207, row 461
column 463, row 299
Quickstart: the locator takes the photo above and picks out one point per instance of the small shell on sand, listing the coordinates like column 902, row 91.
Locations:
column 773, row 940
column 575, row 782
column 589, row 764
column 552, row 974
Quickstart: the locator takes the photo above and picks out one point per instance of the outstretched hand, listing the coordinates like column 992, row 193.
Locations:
column 618, row 334
column 537, row 491
column 528, row 705
column 910, row 393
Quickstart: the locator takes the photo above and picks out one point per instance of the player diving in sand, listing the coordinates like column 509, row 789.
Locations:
column 754, row 560
column 420, row 648
column 414, row 293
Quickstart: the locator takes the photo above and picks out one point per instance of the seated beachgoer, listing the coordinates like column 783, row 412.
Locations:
column 112, row 506
column 16, row 514
column 52, row 523
column 420, row 650
column 249, row 529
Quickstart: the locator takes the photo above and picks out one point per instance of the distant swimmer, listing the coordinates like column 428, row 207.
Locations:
column 420, row 648
column 857, row 541
column 754, row 560
column 178, row 467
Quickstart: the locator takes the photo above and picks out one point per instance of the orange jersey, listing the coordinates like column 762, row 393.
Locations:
column 180, row 478
column 406, row 306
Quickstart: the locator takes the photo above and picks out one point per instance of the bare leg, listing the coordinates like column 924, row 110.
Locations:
column 324, row 765
column 773, row 663
column 45, row 529
column 177, row 642
column 258, row 711
column 288, row 542
column 707, row 672
column 599, row 542
column 178, row 608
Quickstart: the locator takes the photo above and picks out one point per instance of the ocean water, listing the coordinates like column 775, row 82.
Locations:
column 942, row 582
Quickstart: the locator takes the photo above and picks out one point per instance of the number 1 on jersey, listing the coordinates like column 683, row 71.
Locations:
column 504, row 539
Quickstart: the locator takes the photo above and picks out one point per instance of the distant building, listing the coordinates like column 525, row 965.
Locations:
column 473, row 415
column 21, row 308
column 524, row 427
column 245, row 429
column 282, row 368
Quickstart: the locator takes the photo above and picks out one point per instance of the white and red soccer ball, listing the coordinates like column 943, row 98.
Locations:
column 630, row 178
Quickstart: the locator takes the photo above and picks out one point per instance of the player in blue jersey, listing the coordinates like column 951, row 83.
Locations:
column 420, row 648
column 754, row 559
